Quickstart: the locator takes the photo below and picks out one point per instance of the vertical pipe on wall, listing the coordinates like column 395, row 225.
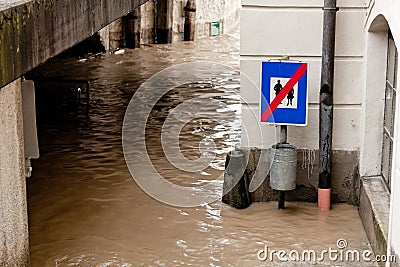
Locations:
column 326, row 104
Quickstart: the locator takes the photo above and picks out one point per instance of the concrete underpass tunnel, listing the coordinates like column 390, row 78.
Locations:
column 64, row 96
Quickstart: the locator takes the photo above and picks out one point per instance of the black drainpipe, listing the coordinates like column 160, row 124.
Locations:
column 326, row 94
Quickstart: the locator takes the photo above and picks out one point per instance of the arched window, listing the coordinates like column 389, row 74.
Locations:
column 390, row 107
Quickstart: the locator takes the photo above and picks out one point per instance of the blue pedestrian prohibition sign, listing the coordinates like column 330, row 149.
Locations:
column 284, row 93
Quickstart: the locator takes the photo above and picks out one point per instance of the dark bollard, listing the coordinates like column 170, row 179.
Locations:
column 190, row 20
column 133, row 24
column 235, row 166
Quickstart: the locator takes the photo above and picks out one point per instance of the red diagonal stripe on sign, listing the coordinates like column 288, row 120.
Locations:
column 284, row 92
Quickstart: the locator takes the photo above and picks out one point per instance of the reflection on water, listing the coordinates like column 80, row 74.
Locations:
column 86, row 210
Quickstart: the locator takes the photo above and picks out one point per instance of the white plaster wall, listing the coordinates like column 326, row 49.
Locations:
column 225, row 11
column 381, row 15
column 373, row 103
column 271, row 29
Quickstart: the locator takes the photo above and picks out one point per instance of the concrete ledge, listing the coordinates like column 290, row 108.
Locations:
column 33, row 31
column 374, row 212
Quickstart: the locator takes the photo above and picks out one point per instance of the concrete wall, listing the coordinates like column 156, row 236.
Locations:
column 179, row 19
column 147, row 23
column 112, row 36
column 33, row 31
column 13, row 210
column 225, row 11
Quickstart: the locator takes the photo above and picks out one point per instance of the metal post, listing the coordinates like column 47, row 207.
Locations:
column 281, row 201
column 283, row 134
column 326, row 94
column 283, row 140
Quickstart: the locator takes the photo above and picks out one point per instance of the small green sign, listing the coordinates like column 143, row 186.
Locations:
column 215, row 28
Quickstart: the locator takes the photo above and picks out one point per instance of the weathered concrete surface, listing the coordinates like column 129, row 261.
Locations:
column 207, row 11
column 112, row 36
column 225, row 11
column 13, row 208
column 374, row 212
column 33, row 31
column 147, row 23
column 345, row 178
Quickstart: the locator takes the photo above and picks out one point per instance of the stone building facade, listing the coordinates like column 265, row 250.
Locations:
column 366, row 151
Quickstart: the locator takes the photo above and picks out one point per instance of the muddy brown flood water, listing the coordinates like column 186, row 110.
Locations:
column 86, row 210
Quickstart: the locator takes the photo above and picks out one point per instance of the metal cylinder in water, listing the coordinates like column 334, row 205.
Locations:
column 283, row 167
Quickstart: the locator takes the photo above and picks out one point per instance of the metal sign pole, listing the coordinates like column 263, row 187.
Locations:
column 283, row 140
column 283, row 102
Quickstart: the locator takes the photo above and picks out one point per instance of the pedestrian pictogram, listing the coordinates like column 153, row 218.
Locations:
column 284, row 93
